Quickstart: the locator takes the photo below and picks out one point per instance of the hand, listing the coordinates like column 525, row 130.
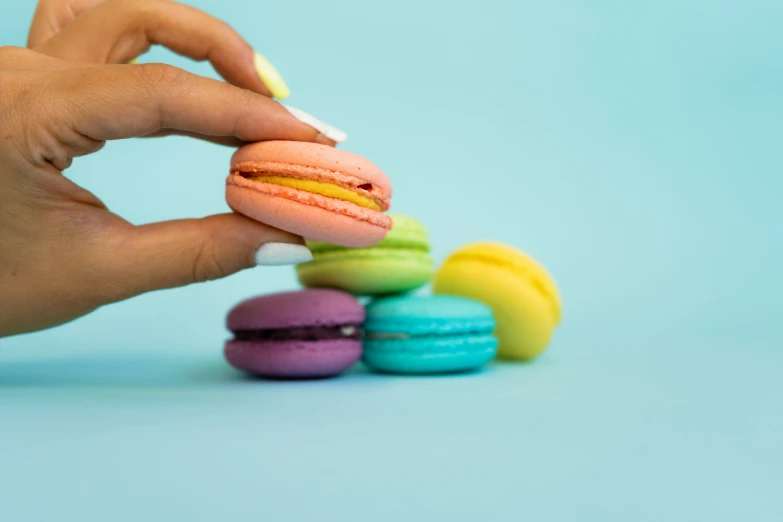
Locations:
column 62, row 252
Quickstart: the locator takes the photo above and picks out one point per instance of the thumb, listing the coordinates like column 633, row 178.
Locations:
column 181, row 252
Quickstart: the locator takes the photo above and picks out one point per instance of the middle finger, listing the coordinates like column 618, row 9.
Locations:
column 119, row 30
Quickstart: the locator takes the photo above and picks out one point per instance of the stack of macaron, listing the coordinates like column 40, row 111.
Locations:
column 487, row 299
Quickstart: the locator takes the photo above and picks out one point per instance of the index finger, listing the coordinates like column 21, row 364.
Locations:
column 123, row 101
column 120, row 30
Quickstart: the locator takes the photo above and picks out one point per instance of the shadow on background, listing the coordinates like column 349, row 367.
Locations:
column 114, row 371
column 164, row 371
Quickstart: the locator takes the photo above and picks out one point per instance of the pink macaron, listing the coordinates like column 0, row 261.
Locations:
column 318, row 192
column 308, row 333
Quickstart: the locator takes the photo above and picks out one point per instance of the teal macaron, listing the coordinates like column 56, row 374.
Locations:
column 399, row 263
column 413, row 334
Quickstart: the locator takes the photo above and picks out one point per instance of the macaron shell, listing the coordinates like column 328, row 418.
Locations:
column 430, row 354
column 524, row 316
column 293, row 359
column 428, row 316
column 517, row 261
column 399, row 263
column 368, row 271
column 302, row 308
column 405, row 234
column 314, row 155
column 309, row 221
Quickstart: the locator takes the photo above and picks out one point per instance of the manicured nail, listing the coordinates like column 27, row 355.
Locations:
column 271, row 78
column 270, row 254
column 135, row 61
column 333, row 133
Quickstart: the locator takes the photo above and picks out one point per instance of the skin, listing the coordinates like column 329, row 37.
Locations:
column 62, row 252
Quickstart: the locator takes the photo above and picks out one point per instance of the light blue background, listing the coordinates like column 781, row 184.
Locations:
column 635, row 148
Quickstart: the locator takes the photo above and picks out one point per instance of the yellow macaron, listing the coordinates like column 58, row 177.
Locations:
column 522, row 295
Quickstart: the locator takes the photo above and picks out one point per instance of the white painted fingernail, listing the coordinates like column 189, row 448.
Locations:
column 270, row 254
column 333, row 133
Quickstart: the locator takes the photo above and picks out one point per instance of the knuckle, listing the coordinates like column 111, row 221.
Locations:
column 162, row 82
column 34, row 118
column 161, row 76
column 207, row 265
column 19, row 95
column 248, row 98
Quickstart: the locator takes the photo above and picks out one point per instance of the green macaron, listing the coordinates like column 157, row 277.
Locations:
column 399, row 263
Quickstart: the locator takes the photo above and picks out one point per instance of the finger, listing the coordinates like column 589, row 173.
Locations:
column 123, row 101
column 52, row 15
column 177, row 253
column 118, row 31
column 227, row 141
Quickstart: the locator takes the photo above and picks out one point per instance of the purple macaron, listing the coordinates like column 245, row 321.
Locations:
column 309, row 333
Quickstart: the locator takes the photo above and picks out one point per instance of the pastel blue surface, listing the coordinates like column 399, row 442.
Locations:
column 634, row 148
column 422, row 315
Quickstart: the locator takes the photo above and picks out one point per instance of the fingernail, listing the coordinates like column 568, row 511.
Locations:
column 271, row 78
column 270, row 254
column 333, row 133
column 135, row 61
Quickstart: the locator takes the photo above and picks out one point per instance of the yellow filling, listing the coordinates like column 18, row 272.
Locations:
column 324, row 189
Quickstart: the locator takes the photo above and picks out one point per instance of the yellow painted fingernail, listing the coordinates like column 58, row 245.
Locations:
column 135, row 61
column 271, row 77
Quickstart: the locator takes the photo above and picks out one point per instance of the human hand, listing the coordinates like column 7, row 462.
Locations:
column 62, row 252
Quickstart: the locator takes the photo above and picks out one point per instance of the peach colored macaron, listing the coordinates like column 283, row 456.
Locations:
column 318, row 192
